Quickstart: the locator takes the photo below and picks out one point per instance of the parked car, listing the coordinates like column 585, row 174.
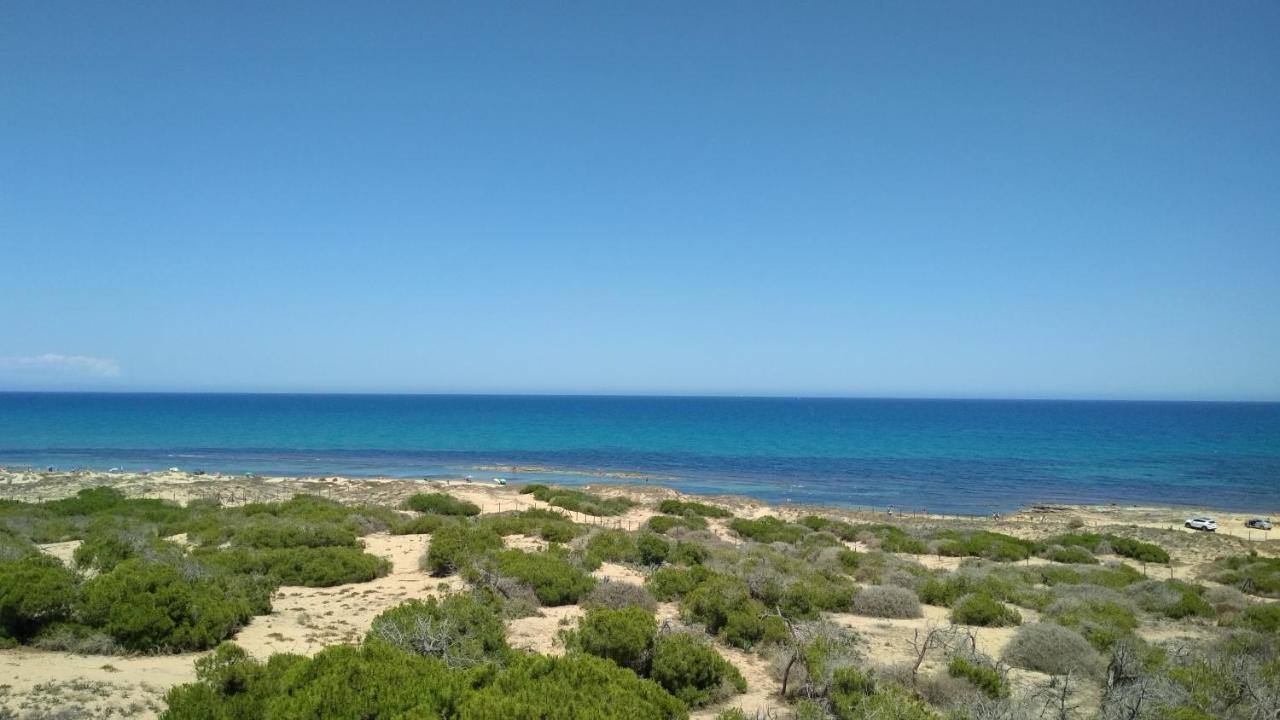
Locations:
column 1258, row 524
column 1202, row 523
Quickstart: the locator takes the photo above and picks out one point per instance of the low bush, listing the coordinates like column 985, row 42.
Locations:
column 671, row 583
column 1226, row 600
column 308, row 567
column 578, row 501
column 683, row 507
column 288, row 533
column 440, row 504
column 617, row 595
column 664, row 523
column 1259, row 618
column 105, row 547
column 688, row 553
column 151, row 606
column 983, row 677
column 1171, row 598
column 1114, row 576
column 842, row 530
column 453, row 547
column 420, row 525
column 612, row 546
column 768, row 529
column 35, row 591
column 393, row 683
column 554, row 579
column 1069, row 554
column 1253, row 574
column 810, row 594
column 1053, row 649
column 651, row 549
column 692, row 671
column 886, row 601
column 1141, row 551
column 891, row 538
column 462, row 629
column 855, row 695
column 624, row 636
column 1100, row 619
column 985, row 544
column 577, row 686
column 985, row 611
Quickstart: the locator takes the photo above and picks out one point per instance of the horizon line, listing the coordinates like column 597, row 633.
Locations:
column 655, row 396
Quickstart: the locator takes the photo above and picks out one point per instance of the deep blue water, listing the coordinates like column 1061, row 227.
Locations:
column 969, row 456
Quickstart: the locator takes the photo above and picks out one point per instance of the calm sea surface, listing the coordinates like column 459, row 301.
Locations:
column 944, row 455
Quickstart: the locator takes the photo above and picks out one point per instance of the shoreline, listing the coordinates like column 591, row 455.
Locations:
column 618, row 480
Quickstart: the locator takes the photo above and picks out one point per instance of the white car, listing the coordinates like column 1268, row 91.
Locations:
column 1202, row 523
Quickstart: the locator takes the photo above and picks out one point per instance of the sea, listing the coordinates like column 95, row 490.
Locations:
column 971, row 457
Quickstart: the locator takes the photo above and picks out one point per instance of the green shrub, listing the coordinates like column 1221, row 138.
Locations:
column 663, row 523
column 886, row 601
column 688, row 553
column 578, row 501
column 390, row 683
column 553, row 579
column 682, row 507
column 612, row 546
column 855, row 695
column 891, row 538
column 768, row 529
column 1051, row 648
column 462, row 629
column 1101, row 620
column 288, row 533
column 713, row 599
column 985, row 611
column 652, row 549
column 577, row 686
column 454, row 547
column 1252, row 574
column 687, row 668
column 1259, row 618
column 838, row 528
column 983, row 677
column 1122, row 546
column 1113, row 576
column 1170, row 598
column 441, row 504
column 671, row 583
column 1069, row 554
column 1138, row 550
column 149, row 606
column 308, row 567
column 985, row 544
column 35, row 590
column 810, row 594
column 624, row 636
column 420, row 525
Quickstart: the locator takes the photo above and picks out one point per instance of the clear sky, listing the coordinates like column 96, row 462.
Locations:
column 976, row 199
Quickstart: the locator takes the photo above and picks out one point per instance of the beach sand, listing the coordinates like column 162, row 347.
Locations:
column 305, row 620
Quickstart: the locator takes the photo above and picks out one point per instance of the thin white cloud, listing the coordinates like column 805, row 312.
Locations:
column 97, row 367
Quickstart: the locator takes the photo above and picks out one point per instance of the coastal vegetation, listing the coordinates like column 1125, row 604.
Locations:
column 833, row 617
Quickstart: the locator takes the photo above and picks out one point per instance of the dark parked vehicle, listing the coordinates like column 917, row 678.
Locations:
column 1258, row 524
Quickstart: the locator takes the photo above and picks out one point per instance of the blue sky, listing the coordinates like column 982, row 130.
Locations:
column 874, row 199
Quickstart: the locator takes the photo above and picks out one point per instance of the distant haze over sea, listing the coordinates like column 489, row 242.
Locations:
column 963, row 456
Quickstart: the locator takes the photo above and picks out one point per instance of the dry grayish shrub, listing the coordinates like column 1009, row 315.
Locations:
column 886, row 601
column 1052, row 649
column 616, row 595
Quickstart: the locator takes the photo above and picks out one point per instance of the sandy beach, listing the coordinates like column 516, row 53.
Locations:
column 304, row 620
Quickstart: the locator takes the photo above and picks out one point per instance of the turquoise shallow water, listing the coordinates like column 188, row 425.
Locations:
column 969, row 456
